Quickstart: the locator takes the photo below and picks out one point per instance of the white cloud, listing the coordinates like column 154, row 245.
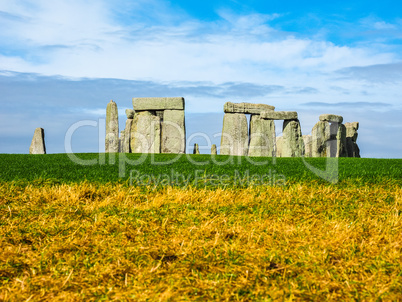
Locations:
column 84, row 39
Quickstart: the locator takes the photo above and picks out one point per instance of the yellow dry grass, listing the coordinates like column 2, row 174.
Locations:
column 112, row 242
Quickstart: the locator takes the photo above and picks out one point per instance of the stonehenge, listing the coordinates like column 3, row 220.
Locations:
column 329, row 137
column 154, row 125
column 157, row 125
column 261, row 138
column 38, row 142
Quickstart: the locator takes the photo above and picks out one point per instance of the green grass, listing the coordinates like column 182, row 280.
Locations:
column 196, row 170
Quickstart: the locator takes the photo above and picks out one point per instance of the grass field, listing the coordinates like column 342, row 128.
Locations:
column 71, row 232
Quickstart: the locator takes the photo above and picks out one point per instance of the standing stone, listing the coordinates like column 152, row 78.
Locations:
column 320, row 136
column 213, row 150
column 173, row 132
column 196, row 149
column 145, row 133
column 262, row 136
column 293, row 145
column 234, row 139
column 38, row 142
column 112, row 128
column 279, row 146
column 351, row 139
column 337, row 142
column 308, row 144
column 121, row 141
column 127, row 136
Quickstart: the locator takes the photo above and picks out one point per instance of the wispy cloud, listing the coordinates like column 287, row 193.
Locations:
column 379, row 73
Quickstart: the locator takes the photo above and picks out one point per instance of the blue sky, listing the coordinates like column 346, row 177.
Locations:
column 62, row 61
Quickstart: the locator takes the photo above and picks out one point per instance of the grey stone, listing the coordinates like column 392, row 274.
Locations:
column 279, row 115
column 196, row 149
column 332, row 118
column 292, row 145
column 112, row 128
column 213, row 150
column 337, row 142
column 121, row 141
column 38, row 142
column 146, row 104
column 127, row 136
column 130, row 114
column 321, row 134
column 279, row 146
column 234, row 139
column 145, row 133
column 159, row 113
column 173, row 132
column 246, row 108
column 351, row 139
column 262, row 136
column 308, row 144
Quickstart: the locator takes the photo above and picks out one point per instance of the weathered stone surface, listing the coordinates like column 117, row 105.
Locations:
column 321, row 134
column 308, row 144
column 146, row 104
column 196, row 149
column 127, row 136
column 38, row 142
column 214, row 150
column 234, row 139
column 246, row 108
column 173, row 132
column 262, row 136
column 337, row 142
column 292, row 145
column 332, row 118
column 130, row 114
column 159, row 113
column 279, row 146
column 351, row 139
column 121, row 141
column 112, row 128
column 145, row 133
column 279, row 115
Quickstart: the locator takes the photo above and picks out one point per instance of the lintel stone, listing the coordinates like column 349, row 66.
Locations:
column 279, row 115
column 247, row 108
column 331, row 118
column 146, row 104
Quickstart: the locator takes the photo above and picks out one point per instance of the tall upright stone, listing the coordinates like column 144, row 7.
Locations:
column 321, row 134
column 38, row 142
column 112, row 128
column 145, row 133
column 337, row 142
column 127, row 136
column 213, row 150
column 279, row 146
column 262, row 136
column 234, row 139
column 121, row 141
column 196, row 149
column 308, row 144
column 173, row 132
column 293, row 144
column 351, row 139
